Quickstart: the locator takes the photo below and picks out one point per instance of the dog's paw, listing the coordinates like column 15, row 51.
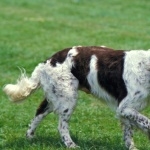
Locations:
column 72, row 145
column 133, row 148
column 30, row 135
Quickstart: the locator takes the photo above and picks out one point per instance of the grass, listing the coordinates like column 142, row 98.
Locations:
column 31, row 31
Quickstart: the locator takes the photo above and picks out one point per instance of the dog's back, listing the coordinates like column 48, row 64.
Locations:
column 98, row 69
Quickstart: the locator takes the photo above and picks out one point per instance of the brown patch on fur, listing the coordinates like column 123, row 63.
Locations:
column 110, row 70
column 59, row 57
column 82, row 61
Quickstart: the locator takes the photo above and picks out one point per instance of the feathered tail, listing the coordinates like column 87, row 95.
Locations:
column 24, row 86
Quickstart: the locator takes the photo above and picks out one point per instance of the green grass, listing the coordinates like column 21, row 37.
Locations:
column 31, row 31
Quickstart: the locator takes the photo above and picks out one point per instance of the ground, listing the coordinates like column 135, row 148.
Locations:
column 31, row 31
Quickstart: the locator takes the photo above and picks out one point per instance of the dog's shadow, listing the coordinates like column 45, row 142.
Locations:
column 54, row 143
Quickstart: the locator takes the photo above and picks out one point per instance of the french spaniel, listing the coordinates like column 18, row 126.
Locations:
column 121, row 78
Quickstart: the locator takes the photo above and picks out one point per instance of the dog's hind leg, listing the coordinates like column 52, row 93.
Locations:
column 60, row 87
column 64, row 104
column 64, row 115
column 128, row 134
column 44, row 109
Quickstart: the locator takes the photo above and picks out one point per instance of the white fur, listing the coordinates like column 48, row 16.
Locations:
column 137, row 80
column 72, row 52
column 58, row 79
column 136, row 76
column 24, row 86
column 103, row 46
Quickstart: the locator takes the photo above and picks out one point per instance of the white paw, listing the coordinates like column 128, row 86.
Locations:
column 72, row 145
column 30, row 135
column 133, row 148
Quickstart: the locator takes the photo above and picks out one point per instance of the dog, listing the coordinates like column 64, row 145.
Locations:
column 120, row 77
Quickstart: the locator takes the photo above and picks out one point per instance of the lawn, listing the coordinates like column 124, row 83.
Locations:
column 33, row 30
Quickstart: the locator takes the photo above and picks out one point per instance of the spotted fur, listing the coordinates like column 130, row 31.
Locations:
column 121, row 78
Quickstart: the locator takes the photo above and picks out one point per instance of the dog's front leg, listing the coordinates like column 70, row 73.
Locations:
column 128, row 134
column 136, row 119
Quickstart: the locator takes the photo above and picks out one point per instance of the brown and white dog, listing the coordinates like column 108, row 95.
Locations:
column 120, row 77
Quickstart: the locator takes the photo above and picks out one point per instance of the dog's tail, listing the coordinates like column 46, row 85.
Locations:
column 24, row 86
